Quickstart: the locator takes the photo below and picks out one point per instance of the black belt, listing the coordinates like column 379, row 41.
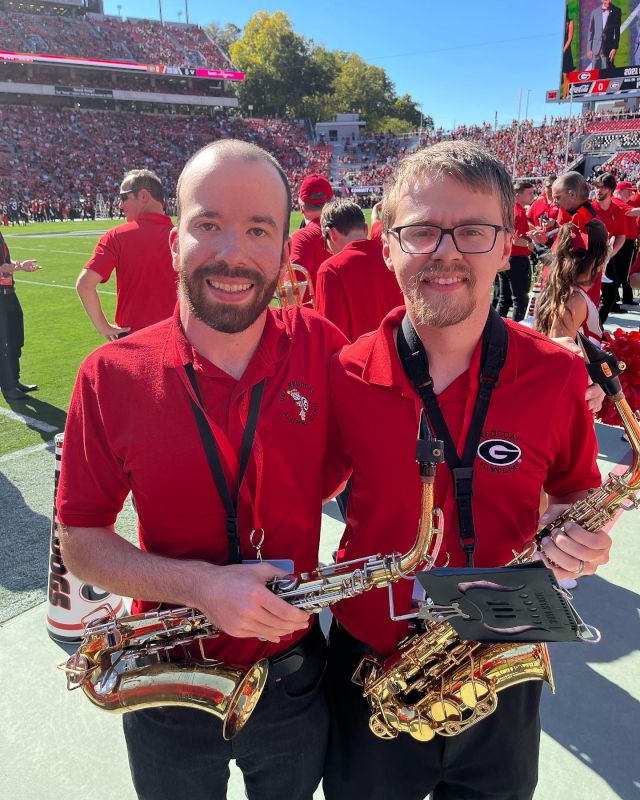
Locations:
column 7, row 290
column 313, row 644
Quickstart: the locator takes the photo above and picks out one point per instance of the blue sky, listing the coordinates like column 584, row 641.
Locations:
column 464, row 60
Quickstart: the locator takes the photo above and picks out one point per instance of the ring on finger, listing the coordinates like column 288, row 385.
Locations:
column 580, row 569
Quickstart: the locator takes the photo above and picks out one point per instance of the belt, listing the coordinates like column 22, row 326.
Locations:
column 289, row 661
column 7, row 290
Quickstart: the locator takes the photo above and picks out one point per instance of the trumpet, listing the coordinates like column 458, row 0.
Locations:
column 295, row 287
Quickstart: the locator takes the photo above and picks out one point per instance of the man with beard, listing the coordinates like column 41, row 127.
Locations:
column 214, row 420
column 448, row 221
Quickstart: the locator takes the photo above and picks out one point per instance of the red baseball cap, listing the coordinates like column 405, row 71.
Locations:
column 624, row 185
column 315, row 189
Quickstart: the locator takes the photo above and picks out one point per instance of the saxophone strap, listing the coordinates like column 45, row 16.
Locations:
column 215, row 465
column 416, row 365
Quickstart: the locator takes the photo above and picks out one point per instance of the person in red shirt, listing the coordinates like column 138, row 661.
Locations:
column 354, row 288
column 448, row 223
column 514, row 282
column 139, row 253
column 308, row 247
column 617, row 224
column 543, row 212
column 138, row 422
column 376, row 224
column 623, row 197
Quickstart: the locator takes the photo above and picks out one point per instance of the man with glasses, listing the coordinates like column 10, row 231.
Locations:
column 448, row 219
column 139, row 252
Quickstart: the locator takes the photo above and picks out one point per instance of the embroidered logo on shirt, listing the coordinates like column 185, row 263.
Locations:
column 298, row 396
column 500, row 453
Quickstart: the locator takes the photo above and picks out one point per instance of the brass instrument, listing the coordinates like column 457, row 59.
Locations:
column 436, row 683
column 125, row 664
column 295, row 287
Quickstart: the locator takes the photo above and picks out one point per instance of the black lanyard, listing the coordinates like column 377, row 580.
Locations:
column 416, row 365
column 213, row 457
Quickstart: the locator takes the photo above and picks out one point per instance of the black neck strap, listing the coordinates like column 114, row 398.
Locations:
column 213, row 457
column 416, row 365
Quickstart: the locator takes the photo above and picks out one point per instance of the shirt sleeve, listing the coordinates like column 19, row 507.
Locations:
column 93, row 485
column 573, row 447
column 105, row 257
column 330, row 299
column 301, row 252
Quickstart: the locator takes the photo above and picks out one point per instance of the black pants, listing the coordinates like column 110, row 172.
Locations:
column 618, row 271
column 11, row 339
column 180, row 753
column 514, row 288
column 495, row 760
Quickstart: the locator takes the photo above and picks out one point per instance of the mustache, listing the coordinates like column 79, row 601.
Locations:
column 437, row 270
column 224, row 271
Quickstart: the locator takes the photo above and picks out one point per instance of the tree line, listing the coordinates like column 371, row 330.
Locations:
column 288, row 75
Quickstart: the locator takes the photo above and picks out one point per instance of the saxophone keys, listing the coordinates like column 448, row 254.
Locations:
column 420, row 729
column 445, row 709
column 474, row 691
column 384, row 724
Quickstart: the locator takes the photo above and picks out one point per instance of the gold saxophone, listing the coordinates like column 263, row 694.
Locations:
column 126, row 664
column 436, row 683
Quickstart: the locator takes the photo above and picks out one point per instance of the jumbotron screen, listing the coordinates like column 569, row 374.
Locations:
column 600, row 49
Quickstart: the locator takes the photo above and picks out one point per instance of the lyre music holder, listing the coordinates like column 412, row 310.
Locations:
column 521, row 603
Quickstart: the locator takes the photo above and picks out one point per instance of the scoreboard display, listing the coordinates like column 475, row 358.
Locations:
column 600, row 50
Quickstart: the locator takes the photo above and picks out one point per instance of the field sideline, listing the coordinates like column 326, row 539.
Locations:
column 58, row 334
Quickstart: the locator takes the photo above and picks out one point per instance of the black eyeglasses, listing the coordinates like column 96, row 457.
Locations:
column 123, row 195
column 422, row 239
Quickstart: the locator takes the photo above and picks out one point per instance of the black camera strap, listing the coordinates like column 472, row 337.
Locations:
column 416, row 365
column 215, row 465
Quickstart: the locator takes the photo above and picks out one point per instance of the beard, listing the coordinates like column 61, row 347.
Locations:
column 440, row 311
column 224, row 317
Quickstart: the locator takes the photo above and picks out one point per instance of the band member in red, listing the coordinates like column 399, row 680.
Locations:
column 448, row 225
column 227, row 375
column 354, row 288
column 308, row 247
column 139, row 253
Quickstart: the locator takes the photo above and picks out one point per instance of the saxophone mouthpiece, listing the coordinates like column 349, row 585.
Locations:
column 603, row 367
column 429, row 451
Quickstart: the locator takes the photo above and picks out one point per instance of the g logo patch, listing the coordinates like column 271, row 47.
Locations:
column 499, row 452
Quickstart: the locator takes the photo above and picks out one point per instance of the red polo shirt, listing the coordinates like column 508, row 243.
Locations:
column 131, row 428
column 376, row 230
column 355, row 289
column 539, row 207
column 308, row 248
column 521, row 228
column 630, row 223
column 376, row 414
column 145, row 279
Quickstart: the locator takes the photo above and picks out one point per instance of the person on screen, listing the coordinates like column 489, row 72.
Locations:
column 604, row 35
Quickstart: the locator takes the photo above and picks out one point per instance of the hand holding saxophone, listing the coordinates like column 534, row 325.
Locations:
column 571, row 550
column 235, row 599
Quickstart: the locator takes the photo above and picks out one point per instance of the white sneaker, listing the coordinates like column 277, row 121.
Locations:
column 568, row 583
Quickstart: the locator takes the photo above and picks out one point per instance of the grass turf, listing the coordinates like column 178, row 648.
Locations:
column 58, row 333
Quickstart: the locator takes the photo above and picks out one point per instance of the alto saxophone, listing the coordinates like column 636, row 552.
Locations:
column 436, row 683
column 125, row 664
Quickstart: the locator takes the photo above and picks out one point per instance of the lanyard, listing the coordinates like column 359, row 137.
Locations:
column 211, row 448
column 416, row 365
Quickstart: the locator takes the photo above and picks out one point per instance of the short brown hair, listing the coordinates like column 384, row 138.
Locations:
column 343, row 215
column 247, row 151
column 145, row 179
column 470, row 164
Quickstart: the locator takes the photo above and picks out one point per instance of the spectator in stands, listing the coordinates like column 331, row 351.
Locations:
column 308, row 244
column 354, row 287
column 543, row 212
column 615, row 222
column 12, row 326
column 140, row 254
column 514, row 282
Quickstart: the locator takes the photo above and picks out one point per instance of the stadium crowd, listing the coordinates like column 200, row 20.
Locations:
column 98, row 36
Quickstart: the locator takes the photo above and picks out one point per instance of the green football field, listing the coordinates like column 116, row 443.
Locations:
column 58, row 334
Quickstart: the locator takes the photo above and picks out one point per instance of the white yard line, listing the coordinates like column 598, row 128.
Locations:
column 31, row 248
column 60, row 286
column 30, row 421
column 36, row 448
